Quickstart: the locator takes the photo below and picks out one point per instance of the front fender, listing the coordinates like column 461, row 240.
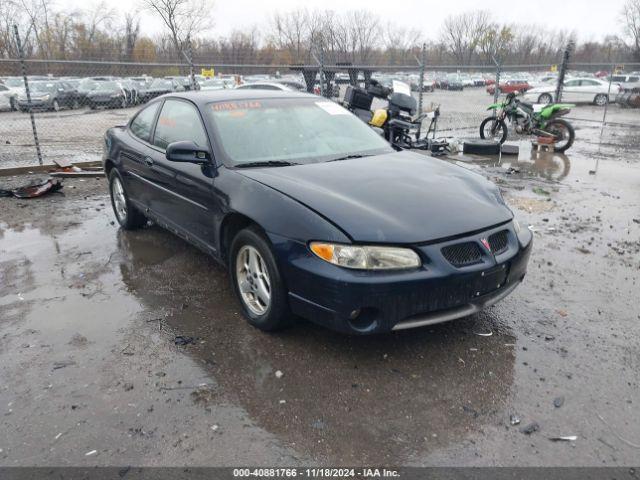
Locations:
column 276, row 213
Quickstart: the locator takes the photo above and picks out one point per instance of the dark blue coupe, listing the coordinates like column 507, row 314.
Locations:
column 313, row 213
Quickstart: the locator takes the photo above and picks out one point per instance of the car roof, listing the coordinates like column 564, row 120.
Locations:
column 202, row 97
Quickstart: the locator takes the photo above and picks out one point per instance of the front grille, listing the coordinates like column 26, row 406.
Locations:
column 463, row 254
column 498, row 242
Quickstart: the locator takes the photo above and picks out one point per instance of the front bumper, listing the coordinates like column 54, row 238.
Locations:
column 35, row 104
column 362, row 302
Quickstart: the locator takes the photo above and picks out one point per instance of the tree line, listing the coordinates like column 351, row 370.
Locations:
column 295, row 37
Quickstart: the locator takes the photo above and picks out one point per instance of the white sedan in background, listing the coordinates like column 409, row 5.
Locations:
column 575, row 90
column 6, row 98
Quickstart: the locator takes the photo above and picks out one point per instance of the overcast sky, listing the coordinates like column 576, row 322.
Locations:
column 590, row 19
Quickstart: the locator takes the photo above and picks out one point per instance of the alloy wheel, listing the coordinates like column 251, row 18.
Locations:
column 119, row 200
column 253, row 280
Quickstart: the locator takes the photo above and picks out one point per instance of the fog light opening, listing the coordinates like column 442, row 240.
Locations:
column 364, row 319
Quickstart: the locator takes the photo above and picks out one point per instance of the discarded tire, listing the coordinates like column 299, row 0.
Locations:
column 481, row 147
column 510, row 149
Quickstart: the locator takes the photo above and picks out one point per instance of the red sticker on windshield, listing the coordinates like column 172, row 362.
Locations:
column 230, row 106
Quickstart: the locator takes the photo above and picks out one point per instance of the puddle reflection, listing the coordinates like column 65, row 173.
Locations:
column 346, row 399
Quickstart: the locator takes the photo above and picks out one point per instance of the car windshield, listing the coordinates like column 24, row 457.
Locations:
column 161, row 83
column 42, row 87
column 213, row 83
column 87, row 85
column 108, row 86
column 14, row 82
column 297, row 130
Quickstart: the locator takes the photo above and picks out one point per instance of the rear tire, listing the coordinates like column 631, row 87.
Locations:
column 562, row 125
column 253, row 281
column 55, row 106
column 13, row 104
column 127, row 215
column 500, row 127
column 545, row 99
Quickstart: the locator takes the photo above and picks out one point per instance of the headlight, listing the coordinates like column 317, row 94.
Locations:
column 516, row 226
column 365, row 257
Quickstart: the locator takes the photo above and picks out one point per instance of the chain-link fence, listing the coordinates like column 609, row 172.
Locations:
column 59, row 109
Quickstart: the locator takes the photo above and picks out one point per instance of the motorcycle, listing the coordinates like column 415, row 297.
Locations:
column 395, row 122
column 528, row 120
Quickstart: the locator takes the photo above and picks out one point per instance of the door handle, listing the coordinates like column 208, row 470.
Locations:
column 148, row 161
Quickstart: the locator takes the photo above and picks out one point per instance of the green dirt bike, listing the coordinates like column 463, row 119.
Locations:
column 543, row 123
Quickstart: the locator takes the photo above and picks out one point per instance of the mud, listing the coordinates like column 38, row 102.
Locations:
column 89, row 315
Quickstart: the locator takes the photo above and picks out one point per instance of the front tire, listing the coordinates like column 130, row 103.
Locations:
column 497, row 129
column 13, row 104
column 601, row 100
column 561, row 127
column 257, row 282
column 127, row 215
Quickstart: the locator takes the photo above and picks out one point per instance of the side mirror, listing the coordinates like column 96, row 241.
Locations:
column 188, row 152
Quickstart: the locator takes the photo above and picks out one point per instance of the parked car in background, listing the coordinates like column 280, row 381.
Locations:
column 273, row 85
column 510, row 86
column 131, row 90
column 49, row 95
column 6, row 98
column 107, row 94
column 160, row 86
column 15, row 86
column 454, row 82
column 85, row 86
column 478, row 81
column 625, row 82
column 576, row 90
column 213, row 84
column 185, row 82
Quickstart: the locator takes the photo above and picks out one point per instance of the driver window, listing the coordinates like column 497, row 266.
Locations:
column 179, row 121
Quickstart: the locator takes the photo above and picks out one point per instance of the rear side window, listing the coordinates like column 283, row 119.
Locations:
column 142, row 124
column 179, row 121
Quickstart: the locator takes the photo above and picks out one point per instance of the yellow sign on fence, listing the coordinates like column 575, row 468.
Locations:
column 207, row 73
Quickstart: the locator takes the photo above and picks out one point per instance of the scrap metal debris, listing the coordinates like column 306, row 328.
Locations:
column 567, row 438
column 63, row 364
column 558, row 402
column 33, row 189
column 183, row 340
column 529, row 429
column 514, row 420
column 484, row 334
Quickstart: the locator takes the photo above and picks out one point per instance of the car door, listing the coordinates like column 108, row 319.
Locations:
column 183, row 195
column 571, row 91
column 136, row 154
column 590, row 89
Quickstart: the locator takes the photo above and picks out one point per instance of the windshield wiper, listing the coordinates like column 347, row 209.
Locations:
column 266, row 163
column 349, row 157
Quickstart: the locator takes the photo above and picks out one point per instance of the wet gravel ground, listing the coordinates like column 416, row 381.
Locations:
column 90, row 373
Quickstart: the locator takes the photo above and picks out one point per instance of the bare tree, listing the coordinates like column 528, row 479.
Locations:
column 461, row 34
column 131, row 32
column 631, row 23
column 494, row 42
column 182, row 18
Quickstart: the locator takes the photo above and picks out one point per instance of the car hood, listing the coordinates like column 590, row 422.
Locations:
column 400, row 197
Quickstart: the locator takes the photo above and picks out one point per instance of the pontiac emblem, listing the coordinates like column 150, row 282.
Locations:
column 486, row 244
